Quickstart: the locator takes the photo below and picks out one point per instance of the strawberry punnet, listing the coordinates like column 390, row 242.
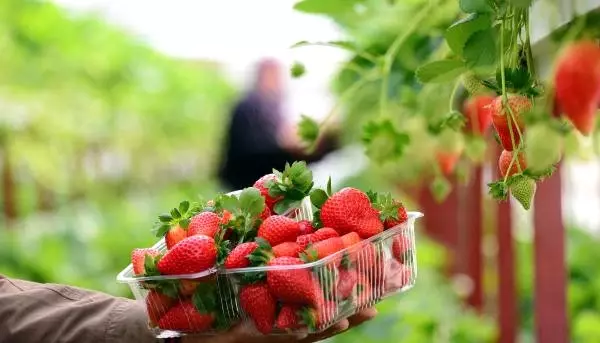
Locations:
column 192, row 255
column 506, row 121
column 185, row 317
column 346, row 282
column 157, row 304
column 577, row 83
column 256, row 300
column 295, row 286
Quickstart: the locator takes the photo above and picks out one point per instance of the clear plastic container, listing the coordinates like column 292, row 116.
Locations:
column 342, row 284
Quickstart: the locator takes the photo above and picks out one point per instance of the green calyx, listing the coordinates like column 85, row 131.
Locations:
column 292, row 185
column 179, row 215
column 245, row 211
column 385, row 204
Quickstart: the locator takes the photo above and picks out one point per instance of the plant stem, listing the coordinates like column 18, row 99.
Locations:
column 453, row 95
column 390, row 55
column 530, row 62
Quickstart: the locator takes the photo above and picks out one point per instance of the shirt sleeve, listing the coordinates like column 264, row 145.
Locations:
column 32, row 312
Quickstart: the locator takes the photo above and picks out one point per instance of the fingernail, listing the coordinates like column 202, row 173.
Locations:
column 370, row 312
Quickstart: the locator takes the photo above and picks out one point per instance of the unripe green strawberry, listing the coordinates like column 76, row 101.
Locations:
column 543, row 147
column 473, row 84
column 523, row 190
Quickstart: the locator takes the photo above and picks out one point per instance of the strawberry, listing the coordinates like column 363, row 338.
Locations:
column 322, row 249
column 350, row 239
column 350, row 210
column 295, row 286
column 238, row 257
column 447, row 161
column 401, row 245
column 184, row 317
column 324, row 233
column 288, row 317
column 259, row 304
column 478, row 114
column 304, row 240
column 397, row 276
column 192, row 255
column 306, row 227
column 517, row 167
column 187, row 287
column 205, row 223
column 321, row 315
column 346, row 282
column 278, row 229
column 157, row 304
column 523, row 190
column 400, row 218
column 364, row 294
column 262, row 185
column 289, row 249
column 175, row 235
column 577, row 83
column 266, row 213
column 502, row 119
column 225, row 217
column 543, row 147
column 138, row 259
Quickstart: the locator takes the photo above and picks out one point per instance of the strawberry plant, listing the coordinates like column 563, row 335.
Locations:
column 485, row 55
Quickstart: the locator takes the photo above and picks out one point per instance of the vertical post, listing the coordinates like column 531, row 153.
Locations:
column 508, row 315
column 550, row 266
column 473, row 237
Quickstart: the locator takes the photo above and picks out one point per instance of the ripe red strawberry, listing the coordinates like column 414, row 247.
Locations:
column 324, row 233
column 306, row 227
column 350, row 239
column 238, row 257
column 371, row 263
column 294, row 286
column 226, row 217
column 447, row 161
column 397, row 276
column 138, row 257
column 322, row 314
column 500, row 116
column 402, row 217
column 288, row 318
column 192, row 255
column 278, row 229
column 185, row 317
column 266, row 213
column 504, row 162
column 157, row 304
column 401, row 244
column 478, row 114
column 350, row 210
column 287, row 249
column 324, row 248
column 259, row 304
column 577, row 83
column 175, row 235
column 261, row 185
column 205, row 223
column 304, row 240
column 346, row 282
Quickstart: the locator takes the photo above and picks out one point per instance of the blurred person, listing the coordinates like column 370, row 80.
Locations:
column 47, row 313
column 259, row 138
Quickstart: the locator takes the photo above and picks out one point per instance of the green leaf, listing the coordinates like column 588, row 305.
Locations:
column 329, row 189
column 325, row 7
column 204, row 298
column 175, row 213
column 317, row 223
column 383, row 142
column 165, row 218
column 297, row 70
column 480, row 50
column 475, row 6
column 251, row 201
column 318, row 197
column 282, row 206
column 440, row 188
column 373, row 196
column 440, row 71
column 498, row 190
column 184, row 206
column 308, row 130
column 228, row 202
column 184, row 223
column 350, row 46
column 161, row 229
column 459, row 33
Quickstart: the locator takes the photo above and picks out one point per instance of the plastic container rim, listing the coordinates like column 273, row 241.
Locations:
column 122, row 278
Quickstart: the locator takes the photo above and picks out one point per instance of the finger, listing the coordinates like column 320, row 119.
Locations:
column 338, row 328
column 362, row 316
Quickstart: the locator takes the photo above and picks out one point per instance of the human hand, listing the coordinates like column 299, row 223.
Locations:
column 246, row 332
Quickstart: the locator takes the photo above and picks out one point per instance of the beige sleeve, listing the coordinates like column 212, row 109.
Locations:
column 31, row 312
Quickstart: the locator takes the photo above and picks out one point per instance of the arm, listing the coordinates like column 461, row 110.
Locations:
column 31, row 312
